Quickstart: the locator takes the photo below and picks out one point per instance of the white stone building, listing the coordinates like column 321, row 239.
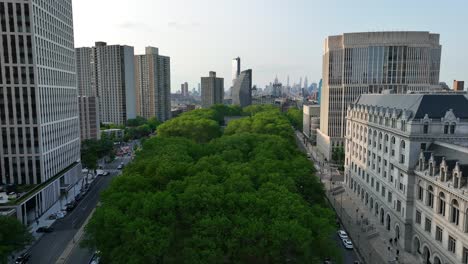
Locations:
column 395, row 149
column 372, row 62
column 39, row 124
column 311, row 121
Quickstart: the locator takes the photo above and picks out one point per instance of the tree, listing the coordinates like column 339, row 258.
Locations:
column 138, row 121
column 338, row 156
column 295, row 116
column 14, row 236
column 195, row 196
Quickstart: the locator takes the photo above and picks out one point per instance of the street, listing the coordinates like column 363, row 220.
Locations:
column 51, row 245
column 349, row 256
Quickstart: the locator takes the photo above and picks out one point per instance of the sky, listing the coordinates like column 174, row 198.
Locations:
column 272, row 37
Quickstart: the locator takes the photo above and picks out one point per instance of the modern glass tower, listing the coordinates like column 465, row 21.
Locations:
column 371, row 62
column 39, row 124
column 242, row 89
column 236, row 69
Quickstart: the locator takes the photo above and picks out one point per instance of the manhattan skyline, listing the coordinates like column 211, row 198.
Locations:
column 272, row 37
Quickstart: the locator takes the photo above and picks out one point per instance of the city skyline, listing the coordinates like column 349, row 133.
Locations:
column 270, row 46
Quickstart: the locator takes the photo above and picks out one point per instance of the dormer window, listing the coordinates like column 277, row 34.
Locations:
column 426, row 128
column 446, row 128
column 452, row 128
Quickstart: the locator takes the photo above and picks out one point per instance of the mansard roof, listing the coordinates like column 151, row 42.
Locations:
column 434, row 105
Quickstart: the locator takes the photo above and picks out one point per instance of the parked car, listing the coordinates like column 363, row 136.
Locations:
column 309, row 155
column 105, row 173
column 45, row 229
column 342, row 234
column 120, row 167
column 71, row 205
column 78, row 197
column 23, row 258
column 347, row 243
column 95, row 259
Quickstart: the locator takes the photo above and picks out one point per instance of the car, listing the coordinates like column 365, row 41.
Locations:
column 78, row 197
column 71, row 205
column 342, row 234
column 45, row 229
column 347, row 243
column 120, row 167
column 309, row 155
column 95, row 259
column 23, row 258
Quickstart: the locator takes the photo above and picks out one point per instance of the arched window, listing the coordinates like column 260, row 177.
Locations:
column 452, row 128
column 420, row 191
column 403, row 144
column 446, row 128
column 455, row 212
column 430, row 197
column 441, row 203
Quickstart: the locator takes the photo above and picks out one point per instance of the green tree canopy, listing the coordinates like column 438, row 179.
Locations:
column 13, row 237
column 195, row 196
column 295, row 116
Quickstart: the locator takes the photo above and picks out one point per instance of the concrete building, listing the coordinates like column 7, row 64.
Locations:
column 242, row 90
column 372, row 62
column 406, row 160
column 109, row 75
column 153, row 85
column 89, row 117
column 311, row 121
column 236, row 69
column 39, row 124
column 212, row 90
column 458, row 86
column 184, row 89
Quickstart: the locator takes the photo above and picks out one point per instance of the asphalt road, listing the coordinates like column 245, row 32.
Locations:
column 50, row 246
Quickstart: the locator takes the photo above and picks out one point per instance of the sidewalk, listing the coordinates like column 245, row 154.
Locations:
column 370, row 238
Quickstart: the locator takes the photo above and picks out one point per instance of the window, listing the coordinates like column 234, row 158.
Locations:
column 430, row 197
column 389, row 197
column 427, row 225
column 446, row 128
column 455, row 212
column 452, row 128
column 420, row 192
column 377, row 186
column 465, row 255
column 426, row 128
column 418, row 217
column 438, row 235
column 383, row 191
column 398, row 206
column 452, row 244
column 441, row 204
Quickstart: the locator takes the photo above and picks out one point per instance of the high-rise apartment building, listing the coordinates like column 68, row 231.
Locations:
column 39, row 124
column 236, row 69
column 241, row 92
column 212, row 90
column 407, row 163
column 107, row 71
column 458, row 86
column 184, row 89
column 153, row 85
column 89, row 117
column 371, row 62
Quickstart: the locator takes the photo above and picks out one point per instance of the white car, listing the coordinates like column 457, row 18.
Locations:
column 120, row 167
column 342, row 234
column 347, row 243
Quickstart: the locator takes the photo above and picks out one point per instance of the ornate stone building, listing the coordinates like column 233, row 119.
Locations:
column 407, row 160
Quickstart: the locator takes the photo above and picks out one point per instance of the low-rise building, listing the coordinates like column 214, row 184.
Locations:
column 311, row 121
column 405, row 160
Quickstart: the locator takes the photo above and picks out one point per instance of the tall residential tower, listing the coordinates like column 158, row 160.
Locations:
column 153, row 85
column 371, row 62
column 39, row 125
column 212, row 90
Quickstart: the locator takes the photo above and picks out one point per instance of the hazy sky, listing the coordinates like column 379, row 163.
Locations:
column 272, row 37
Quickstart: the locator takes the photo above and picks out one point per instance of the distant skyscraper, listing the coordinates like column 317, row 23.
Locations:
column 277, row 88
column 111, row 73
column 458, row 85
column 153, row 85
column 358, row 63
column 212, row 90
column 319, row 93
column 184, row 89
column 242, row 89
column 306, row 84
column 236, row 69
column 39, row 124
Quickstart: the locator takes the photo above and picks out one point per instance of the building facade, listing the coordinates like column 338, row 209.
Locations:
column 184, row 90
column 241, row 93
column 110, row 75
column 311, row 121
column 372, row 62
column 89, row 117
column 236, row 69
column 397, row 148
column 153, row 85
column 212, row 90
column 458, row 86
column 39, row 123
